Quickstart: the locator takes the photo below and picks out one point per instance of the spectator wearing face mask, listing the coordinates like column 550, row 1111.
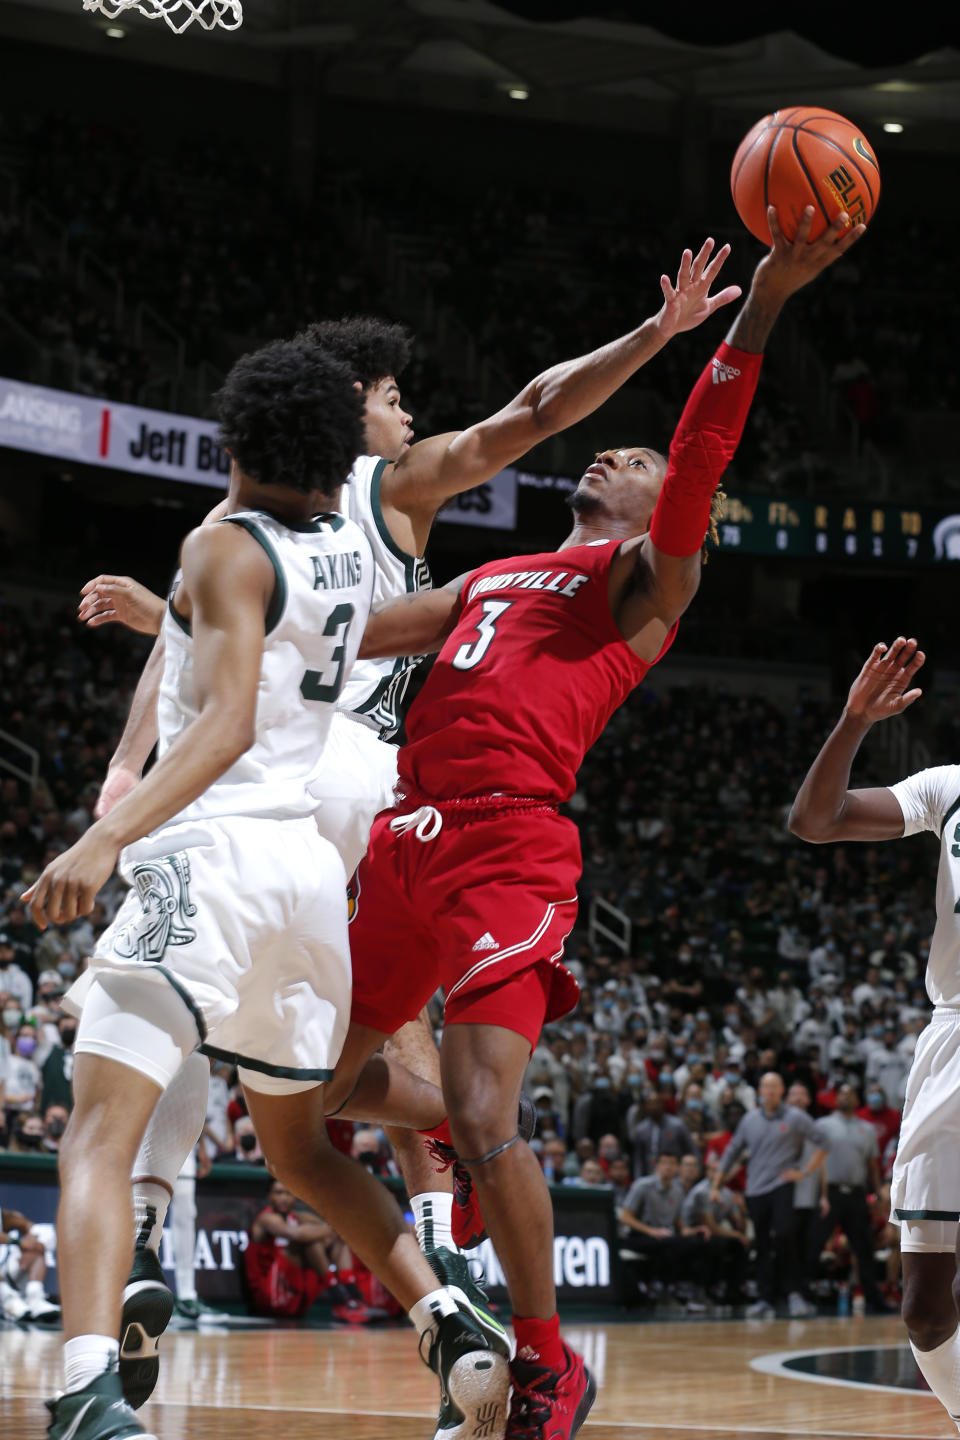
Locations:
column 247, row 1147
column 608, row 1018
column 21, row 1075
column 826, row 959
column 57, row 1069
column 597, row 1111
column 692, row 1112
column 684, row 989
column 14, row 980
column 25, row 1132
column 55, row 1119
column 883, row 1117
column 729, row 1076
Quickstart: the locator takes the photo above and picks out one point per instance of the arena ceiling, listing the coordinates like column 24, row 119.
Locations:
column 621, row 65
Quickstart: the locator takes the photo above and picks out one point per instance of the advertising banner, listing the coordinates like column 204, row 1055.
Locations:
column 174, row 447
column 585, row 1260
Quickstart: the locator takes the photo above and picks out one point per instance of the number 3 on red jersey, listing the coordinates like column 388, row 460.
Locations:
column 469, row 655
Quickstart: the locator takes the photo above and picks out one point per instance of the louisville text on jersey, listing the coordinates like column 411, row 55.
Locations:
column 562, row 582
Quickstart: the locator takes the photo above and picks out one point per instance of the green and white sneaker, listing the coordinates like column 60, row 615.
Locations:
column 97, row 1412
column 474, row 1381
column 453, row 1271
column 147, row 1308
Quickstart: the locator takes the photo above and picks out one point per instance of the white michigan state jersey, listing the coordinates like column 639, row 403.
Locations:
column 930, row 800
column 377, row 689
column 323, row 592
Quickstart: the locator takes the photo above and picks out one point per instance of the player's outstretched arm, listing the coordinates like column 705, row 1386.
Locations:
column 227, row 584
column 825, row 808
column 666, row 562
column 434, row 470
column 139, row 735
column 413, row 624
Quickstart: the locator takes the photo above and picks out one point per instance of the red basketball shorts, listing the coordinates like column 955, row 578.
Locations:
column 480, row 905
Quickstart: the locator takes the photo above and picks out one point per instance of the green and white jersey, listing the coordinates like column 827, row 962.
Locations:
column 324, row 589
column 377, row 690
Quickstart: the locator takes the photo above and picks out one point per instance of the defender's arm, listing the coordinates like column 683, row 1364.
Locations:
column 413, row 624
column 227, row 584
column 434, row 470
column 825, row 808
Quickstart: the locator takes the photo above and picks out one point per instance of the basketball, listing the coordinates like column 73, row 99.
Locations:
column 804, row 156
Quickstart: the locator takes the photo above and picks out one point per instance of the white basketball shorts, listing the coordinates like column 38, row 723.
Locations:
column 925, row 1184
column 246, row 919
column 352, row 785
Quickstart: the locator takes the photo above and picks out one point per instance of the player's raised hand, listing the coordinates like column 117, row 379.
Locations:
column 688, row 303
column 883, row 687
column 791, row 264
column 117, row 599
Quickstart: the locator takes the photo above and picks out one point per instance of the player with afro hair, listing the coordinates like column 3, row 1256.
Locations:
column 290, row 415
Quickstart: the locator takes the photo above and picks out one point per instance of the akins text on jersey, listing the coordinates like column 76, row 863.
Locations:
column 339, row 571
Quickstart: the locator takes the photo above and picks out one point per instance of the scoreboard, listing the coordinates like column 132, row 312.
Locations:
column 840, row 530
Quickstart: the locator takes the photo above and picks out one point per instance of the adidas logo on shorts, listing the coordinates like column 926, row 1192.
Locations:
column 486, row 942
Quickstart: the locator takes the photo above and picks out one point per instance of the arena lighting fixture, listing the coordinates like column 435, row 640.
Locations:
column 115, row 32
column 518, row 92
column 892, row 127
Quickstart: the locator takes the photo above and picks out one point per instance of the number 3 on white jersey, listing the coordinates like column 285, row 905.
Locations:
column 469, row 655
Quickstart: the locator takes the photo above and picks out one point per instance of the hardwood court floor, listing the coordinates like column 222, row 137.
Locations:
column 693, row 1379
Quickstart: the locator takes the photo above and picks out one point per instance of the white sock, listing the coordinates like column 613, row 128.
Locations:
column 86, row 1357
column 432, row 1214
column 432, row 1308
column 941, row 1370
column 150, row 1203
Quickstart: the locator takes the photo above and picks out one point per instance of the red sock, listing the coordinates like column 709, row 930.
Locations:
column 439, row 1132
column 541, row 1338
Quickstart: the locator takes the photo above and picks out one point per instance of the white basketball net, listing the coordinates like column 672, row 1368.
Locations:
column 228, row 14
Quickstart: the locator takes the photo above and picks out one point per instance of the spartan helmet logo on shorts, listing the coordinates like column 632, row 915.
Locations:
column 946, row 538
column 164, row 890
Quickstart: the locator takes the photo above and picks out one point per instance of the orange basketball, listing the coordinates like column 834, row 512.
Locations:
column 804, row 156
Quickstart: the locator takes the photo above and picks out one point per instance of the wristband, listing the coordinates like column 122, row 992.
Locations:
column 702, row 447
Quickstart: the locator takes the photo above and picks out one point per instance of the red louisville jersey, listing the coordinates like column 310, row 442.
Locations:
column 527, row 681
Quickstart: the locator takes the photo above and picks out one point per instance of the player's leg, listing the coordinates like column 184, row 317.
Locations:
column 148, row 1303
column 930, row 1305
column 291, row 1126
column 483, row 1066
column 132, row 1038
column 430, row 1191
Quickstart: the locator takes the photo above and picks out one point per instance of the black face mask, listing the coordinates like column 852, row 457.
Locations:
column 28, row 1139
column 368, row 1157
column 248, row 1142
column 67, row 1036
column 55, row 1129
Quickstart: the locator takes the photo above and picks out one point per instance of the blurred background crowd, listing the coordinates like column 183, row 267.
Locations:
column 737, row 950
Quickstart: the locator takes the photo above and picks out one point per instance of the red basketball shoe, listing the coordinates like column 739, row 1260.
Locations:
column 546, row 1405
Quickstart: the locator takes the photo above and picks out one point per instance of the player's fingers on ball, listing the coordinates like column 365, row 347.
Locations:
column 773, row 220
column 805, row 225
